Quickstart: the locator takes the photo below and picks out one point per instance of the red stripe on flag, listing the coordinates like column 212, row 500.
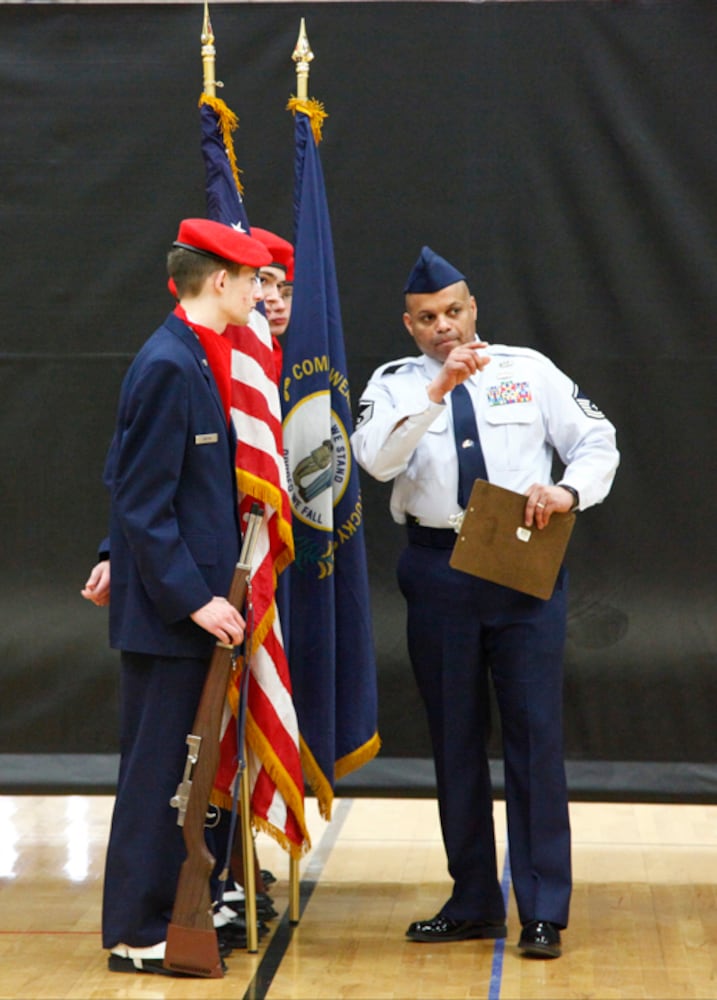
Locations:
column 272, row 737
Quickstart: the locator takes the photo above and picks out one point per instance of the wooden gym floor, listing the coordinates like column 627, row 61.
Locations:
column 643, row 922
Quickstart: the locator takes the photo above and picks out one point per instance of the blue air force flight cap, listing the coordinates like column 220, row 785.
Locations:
column 431, row 273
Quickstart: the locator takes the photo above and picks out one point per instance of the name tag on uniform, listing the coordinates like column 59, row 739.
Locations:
column 206, row 438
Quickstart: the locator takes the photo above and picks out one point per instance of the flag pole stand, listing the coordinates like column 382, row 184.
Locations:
column 252, row 932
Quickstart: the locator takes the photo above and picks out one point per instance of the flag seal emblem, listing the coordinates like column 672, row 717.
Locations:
column 320, row 472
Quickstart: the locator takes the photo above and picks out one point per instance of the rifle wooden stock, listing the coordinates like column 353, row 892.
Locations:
column 192, row 946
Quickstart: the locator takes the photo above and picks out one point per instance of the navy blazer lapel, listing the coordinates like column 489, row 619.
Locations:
column 191, row 341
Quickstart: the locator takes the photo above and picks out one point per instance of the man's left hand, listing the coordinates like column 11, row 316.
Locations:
column 543, row 501
column 97, row 588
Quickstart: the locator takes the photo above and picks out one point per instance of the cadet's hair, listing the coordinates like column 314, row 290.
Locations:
column 190, row 270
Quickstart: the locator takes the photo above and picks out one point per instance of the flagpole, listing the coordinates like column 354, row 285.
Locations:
column 210, row 84
column 301, row 56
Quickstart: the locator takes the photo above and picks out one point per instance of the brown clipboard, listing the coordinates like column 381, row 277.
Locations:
column 494, row 543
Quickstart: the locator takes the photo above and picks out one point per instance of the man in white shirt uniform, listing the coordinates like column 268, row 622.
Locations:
column 461, row 627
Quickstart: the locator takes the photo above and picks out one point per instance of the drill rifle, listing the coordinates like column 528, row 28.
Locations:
column 192, row 945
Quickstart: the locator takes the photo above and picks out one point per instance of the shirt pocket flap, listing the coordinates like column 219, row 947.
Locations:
column 516, row 413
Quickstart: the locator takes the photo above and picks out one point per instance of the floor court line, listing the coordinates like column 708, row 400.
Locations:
column 496, row 972
column 276, row 949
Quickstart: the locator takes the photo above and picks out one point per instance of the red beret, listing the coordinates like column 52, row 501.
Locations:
column 281, row 250
column 208, row 237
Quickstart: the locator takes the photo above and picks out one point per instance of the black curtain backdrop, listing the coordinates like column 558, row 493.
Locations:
column 561, row 154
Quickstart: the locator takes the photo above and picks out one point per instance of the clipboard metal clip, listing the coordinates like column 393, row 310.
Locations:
column 456, row 521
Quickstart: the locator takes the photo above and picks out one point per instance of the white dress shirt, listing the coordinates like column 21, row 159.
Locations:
column 527, row 411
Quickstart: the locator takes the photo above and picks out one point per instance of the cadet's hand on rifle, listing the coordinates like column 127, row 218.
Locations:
column 222, row 620
column 97, row 588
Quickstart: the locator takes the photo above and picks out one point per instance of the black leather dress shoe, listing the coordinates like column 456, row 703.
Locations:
column 117, row 963
column 540, row 939
column 440, row 928
column 264, row 907
column 234, row 933
column 225, row 948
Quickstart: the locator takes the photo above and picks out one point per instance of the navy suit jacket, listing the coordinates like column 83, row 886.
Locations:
column 174, row 526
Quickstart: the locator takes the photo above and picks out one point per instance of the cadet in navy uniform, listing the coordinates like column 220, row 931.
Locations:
column 277, row 286
column 459, row 626
column 175, row 539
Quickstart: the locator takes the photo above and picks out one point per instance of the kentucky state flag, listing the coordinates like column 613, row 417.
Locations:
column 330, row 642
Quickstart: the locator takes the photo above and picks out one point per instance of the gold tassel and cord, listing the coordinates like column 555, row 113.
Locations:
column 227, row 123
column 314, row 111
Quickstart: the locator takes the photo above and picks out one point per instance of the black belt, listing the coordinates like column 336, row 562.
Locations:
column 430, row 538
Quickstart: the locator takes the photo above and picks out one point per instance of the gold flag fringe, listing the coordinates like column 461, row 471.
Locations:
column 357, row 758
column 282, row 840
column 316, row 779
column 267, row 493
column 259, row 635
column 314, row 111
column 254, row 486
column 293, row 796
column 228, row 123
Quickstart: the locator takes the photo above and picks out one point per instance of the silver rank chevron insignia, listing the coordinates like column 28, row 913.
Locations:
column 587, row 406
column 365, row 411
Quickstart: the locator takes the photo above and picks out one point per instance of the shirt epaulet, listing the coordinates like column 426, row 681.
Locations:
column 395, row 366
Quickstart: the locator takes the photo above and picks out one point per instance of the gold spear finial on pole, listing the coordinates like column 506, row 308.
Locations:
column 208, row 54
column 302, row 56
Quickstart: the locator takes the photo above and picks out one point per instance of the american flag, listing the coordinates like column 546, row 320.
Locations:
column 272, row 736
